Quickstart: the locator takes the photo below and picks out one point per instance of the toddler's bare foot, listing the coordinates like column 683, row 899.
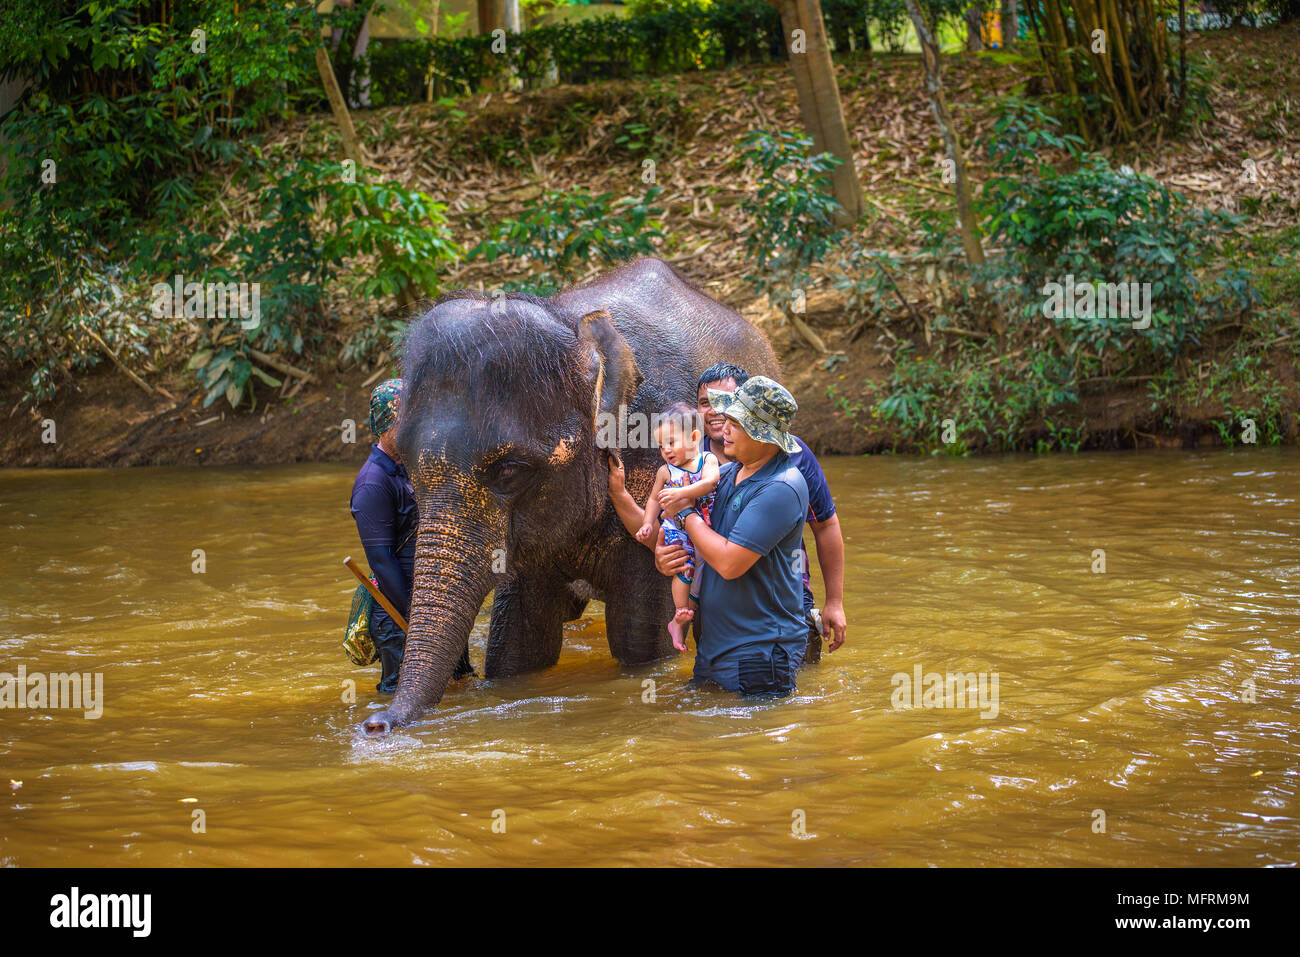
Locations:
column 677, row 627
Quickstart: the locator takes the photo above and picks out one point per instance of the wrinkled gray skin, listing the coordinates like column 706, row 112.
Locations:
column 499, row 429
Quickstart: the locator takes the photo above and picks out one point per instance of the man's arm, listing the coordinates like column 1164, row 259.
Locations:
column 629, row 512
column 769, row 515
column 830, row 556
column 725, row 557
column 829, row 542
column 388, row 572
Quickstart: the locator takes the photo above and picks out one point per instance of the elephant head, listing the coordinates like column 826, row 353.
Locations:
column 498, row 431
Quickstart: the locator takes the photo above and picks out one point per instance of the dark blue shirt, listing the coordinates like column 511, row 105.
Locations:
column 765, row 514
column 383, row 505
column 820, row 505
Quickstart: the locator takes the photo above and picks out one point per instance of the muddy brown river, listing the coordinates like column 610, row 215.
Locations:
column 1147, row 714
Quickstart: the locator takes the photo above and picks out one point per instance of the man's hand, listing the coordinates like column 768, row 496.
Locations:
column 617, row 477
column 673, row 500
column 669, row 559
column 833, row 621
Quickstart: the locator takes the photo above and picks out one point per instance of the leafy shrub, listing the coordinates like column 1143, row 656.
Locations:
column 101, row 153
column 567, row 233
column 1101, row 225
column 402, row 233
column 992, row 402
column 59, row 302
column 1242, row 385
column 793, row 212
column 1020, row 389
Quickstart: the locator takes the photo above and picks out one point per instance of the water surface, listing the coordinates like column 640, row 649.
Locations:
column 1124, row 692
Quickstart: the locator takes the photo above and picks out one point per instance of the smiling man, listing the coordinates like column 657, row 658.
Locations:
column 821, row 517
column 752, row 630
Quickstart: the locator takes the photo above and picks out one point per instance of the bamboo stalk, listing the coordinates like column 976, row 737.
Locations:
column 970, row 235
column 1104, row 66
column 1113, row 16
column 1056, row 32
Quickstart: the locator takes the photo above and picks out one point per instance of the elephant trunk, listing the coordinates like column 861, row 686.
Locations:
column 453, row 574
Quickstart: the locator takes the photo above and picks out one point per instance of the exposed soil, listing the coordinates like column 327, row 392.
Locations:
column 105, row 420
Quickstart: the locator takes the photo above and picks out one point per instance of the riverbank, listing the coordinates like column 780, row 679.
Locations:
column 103, row 420
column 505, row 149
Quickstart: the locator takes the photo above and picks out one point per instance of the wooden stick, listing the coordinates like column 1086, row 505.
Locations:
column 118, row 362
column 279, row 365
column 378, row 595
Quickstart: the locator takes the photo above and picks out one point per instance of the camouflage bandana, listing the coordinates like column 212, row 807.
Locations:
column 762, row 407
column 383, row 406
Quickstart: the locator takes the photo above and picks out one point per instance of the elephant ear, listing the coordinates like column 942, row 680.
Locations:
column 612, row 370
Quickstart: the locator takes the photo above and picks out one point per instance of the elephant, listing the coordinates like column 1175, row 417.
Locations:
column 506, row 427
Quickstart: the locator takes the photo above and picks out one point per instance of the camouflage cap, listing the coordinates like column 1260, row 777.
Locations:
column 762, row 407
column 383, row 406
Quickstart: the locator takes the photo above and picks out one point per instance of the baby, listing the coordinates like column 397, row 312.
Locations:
column 679, row 434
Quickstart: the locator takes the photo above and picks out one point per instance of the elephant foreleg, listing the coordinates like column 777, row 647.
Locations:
column 528, row 615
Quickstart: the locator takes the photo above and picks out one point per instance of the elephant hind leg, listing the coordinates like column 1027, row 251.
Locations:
column 528, row 615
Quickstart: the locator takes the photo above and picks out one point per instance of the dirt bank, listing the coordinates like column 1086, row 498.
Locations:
column 103, row 419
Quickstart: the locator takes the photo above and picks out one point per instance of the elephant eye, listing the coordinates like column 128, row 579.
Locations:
column 510, row 476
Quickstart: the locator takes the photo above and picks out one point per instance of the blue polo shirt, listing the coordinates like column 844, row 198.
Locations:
column 820, row 504
column 765, row 514
column 383, row 505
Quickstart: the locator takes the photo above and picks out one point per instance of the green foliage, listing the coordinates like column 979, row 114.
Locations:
column 792, row 212
column 657, row 38
column 402, row 235
column 1057, row 212
column 1101, row 225
column 100, row 156
column 992, row 400
column 56, row 290
column 1240, row 387
column 129, row 110
column 865, row 279
column 568, row 233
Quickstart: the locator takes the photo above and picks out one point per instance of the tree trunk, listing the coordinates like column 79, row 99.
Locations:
column 348, row 133
column 359, row 62
column 511, row 18
column 970, row 232
column 428, row 77
column 491, row 16
column 819, row 100
column 1010, row 23
column 974, row 18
